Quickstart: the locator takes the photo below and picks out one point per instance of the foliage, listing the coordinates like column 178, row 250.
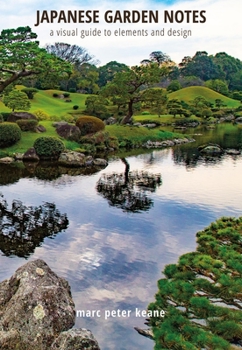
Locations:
column 21, row 56
column 201, row 294
column 27, row 124
column 17, row 100
column 41, row 115
column 75, row 107
column 218, row 85
column 97, row 105
column 10, row 133
column 126, row 89
column 108, row 72
column 158, row 57
column 89, row 125
column 173, row 86
column 155, row 99
column 73, row 54
column 30, row 92
column 48, row 147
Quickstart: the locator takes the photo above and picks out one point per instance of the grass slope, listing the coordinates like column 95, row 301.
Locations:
column 45, row 101
column 189, row 93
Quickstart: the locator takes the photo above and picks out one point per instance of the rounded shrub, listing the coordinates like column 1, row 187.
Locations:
column 48, row 147
column 55, row 94
column 10, row 133
column 27, row 124
column 66, row 94
column 75, row 107
column 89, row 125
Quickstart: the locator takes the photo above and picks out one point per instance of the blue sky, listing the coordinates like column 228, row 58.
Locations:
column 222, row 30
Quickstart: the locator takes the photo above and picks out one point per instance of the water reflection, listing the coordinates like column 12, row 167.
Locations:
column 128, row 190
column 23, row 228
column 12, row 173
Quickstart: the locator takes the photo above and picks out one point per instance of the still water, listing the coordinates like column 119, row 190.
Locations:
column 119, row 237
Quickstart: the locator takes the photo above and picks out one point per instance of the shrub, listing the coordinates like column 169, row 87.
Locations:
column 10, row 133
column 48, row 147
column 41, row 115
column 5, row 116
column 27, row 124
column 89, row 125
column 66, row 94
column 55, row 94
column 30, row 92
column 75, row 107
column 145, row 113
column 1, row 118
column 68, row 100
column 72, row 89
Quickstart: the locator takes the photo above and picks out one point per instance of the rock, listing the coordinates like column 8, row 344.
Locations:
column 36, row 304
column 37, row 312
column 137, row 124
column 6, row 160
column 40, row 128
column 100, row 162
column 238, row 120
column 14, row 116
column 211, row 149
column 18, row 156
column 89, row 160
column 110, row 121
column 150, row 125
column 79, row 339
column 233, row 152
column 56, row 124
column 30, row 155
column 69, row 132
column 72, row 159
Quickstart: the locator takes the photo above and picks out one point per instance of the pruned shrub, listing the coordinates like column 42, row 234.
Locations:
column 10, row 133
column 68, row 100
column 89, row 125
column 72, row 89
column 27, row 124
column 41, row 115
column 30, row 92
column 75, row 107
column 66, row 94
column 1, row 118
column 55, row 94
column 48, row 147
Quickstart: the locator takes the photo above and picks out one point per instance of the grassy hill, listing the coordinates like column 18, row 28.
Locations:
column 189, row 93
column 44, row 100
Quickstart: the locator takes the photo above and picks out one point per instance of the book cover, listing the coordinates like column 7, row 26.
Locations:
column 111, row 228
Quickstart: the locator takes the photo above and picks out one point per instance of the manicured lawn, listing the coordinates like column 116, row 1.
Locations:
column 189, row 93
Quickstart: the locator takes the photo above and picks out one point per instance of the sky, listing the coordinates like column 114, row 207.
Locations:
column 221, row 32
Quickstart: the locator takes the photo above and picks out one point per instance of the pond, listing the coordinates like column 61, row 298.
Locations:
column 115, row 229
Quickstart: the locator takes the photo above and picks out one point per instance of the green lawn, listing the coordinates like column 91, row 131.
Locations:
column 189, row 93
column 44, row 100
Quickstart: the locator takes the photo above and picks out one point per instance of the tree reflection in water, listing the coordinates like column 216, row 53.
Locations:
column 23, row 228
column 128, row 190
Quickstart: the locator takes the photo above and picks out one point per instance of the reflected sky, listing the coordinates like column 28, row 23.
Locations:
column 113, row 259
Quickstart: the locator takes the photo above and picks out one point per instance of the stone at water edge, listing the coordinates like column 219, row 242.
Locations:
column 35, row 308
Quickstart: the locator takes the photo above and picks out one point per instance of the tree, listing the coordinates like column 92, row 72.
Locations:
column 23, row 228
column 21, row 56
column 97, row 105
column 174, row 107
column 158, row 57
column 128, row 86
column 218, row 86
column 201, row 294
column 73, row 54
column 30, row 92
column 108, row 71
column 17, row 100
column 155, row 99
column 128, row 191
column 174, row 86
